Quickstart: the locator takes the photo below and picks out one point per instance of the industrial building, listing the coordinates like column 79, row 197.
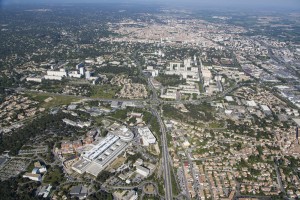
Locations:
column 147, row 136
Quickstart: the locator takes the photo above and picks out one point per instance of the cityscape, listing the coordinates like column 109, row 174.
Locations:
column 132, row 101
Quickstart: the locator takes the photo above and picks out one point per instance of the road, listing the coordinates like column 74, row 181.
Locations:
column 165, row 161
column 19, row 89
column 279, row 181
column 193, row 173
column 279, row 60
column 154, row 102
column 165, row 152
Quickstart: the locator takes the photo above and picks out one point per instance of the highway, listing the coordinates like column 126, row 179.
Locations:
column 153, row 101
column 165, row 152
column 153, row 104
column 165, row 161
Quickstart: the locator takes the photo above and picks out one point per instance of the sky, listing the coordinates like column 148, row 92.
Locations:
column 245, row 4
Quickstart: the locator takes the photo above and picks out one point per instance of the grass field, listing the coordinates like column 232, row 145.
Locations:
column 118, row 162
column 56, row 100
column 105, row 91
column 54, row 176
column 217, row 124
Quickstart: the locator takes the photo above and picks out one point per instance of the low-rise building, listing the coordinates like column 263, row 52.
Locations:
column 79, row 191
column 125, row 195
column 102, row 154
column 142, row 171
column 34, row 177
column 60, row 73
column 49, row 77
column 35, row 79
column 147, row 136
column 44, row 191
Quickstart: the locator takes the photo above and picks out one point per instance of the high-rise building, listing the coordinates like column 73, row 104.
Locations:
column 82, row 71
column 87, row 74
column 80, row 65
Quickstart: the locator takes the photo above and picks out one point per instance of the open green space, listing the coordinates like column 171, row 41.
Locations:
column 203, row 112
column 104, row 91
column 55, row 101
column 27, row 147
column 30, row 167
column 216, row 124
column 175, row 188
column 54, row 176
column 169, row 80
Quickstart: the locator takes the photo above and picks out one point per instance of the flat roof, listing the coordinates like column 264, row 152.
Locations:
column 251, row 103
column 75, row 190
column 32, row 175
column 94, row 169
column 104, row 159
column 81, row 164
column 2, row 160
column 101, row 147
column 265, row 108
column 145, row 132
column 297, row 121
column 229, row 98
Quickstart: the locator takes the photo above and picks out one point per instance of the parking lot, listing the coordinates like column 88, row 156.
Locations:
column 13, row 167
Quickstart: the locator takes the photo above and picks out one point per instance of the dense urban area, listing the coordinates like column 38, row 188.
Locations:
column 132, row 102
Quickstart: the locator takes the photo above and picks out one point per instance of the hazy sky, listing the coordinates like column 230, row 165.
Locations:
column 250, row 4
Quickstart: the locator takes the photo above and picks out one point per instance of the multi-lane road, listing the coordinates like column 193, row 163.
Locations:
column 165, row 160
column 154, row 103
column 165, row 152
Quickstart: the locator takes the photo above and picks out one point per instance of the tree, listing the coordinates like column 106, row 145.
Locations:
column 103, row 176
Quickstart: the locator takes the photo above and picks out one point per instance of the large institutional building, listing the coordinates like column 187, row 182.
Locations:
column 187, row 69
column 103, row 153
column 146, row 136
